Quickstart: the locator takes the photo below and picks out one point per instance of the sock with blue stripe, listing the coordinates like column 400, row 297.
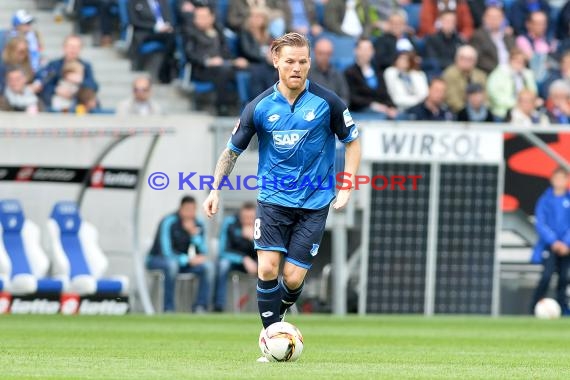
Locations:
column 268, row 301
column 288, row 297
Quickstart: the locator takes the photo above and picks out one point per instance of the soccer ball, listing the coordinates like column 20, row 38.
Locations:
column 281, row 342
column 547, row 308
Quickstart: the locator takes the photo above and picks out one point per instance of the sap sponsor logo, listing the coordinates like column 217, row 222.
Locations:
column 309, row 115
column 105, row 307
column 273, row 118
column 288, row 139
column 35, row 306
column 348, row 122
column 314, row 250
column 5, row 300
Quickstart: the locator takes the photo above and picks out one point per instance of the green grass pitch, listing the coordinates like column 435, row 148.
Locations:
column 225, row 347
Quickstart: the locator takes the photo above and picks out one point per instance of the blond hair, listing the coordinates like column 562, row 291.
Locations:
column 290, row 39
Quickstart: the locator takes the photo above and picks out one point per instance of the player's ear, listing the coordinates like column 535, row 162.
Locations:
column 275, row 57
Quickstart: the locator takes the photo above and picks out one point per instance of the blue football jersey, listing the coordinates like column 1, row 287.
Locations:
column 296, row 144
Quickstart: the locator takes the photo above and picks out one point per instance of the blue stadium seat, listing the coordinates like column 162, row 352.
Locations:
column 77, row 255
column 413, row 12
column 126, row 32
column 23, row 263
column 222, row 11
column 343, row 50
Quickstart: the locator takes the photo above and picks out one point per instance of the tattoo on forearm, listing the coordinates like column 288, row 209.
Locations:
column 225, row 165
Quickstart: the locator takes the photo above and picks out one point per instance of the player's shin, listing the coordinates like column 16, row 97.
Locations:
column 268, row 301
column 288, row 297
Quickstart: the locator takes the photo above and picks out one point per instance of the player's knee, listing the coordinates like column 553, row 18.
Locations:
column 267, row 271
column 293, row 280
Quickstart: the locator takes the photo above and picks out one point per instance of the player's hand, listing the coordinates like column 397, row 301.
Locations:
column 342, row 199
column 197, row 260
column 250, row 265
column 211, row 204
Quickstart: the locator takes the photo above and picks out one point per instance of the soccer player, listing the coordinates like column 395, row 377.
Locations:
column 296, row 122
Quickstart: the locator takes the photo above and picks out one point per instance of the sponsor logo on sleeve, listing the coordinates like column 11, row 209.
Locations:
column 348, row 122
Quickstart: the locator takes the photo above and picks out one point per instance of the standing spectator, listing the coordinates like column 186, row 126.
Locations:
column 324, row 74
column 491, row 41
column 407, row 85
column 553, row 247
column 476, row 111
column 237, row 252
column 152, row 21
column 462, row 73
column 349, row 17
column 506, row 81
column 526, row 113
column 180, row 247
column 442, row 46
column 434, row 107
column 394, row 40
column 558, row 102
column 67, row 87
column 140, row 103
column 22, row 26
column 17, row 95
column 16, row 53
column 368, row 91
column 47, row 78
column 209, row 55
column 521, row 9
column 432, row 10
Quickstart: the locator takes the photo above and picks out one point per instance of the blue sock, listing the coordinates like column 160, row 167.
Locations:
column 288, row 297
column 268, row 301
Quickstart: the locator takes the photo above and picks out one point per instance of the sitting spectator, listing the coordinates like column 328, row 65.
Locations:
column 87, row 103
column 506, row 81
column 16, row 54
column 476, row 111
column 48, row 77
column 22, row 27
column 432, row 10
column 300, row 16
column 434, row 107
column 442, row 46
column 491, row 41
column 238, row 13
column 394, row 40
column 106, row 18
column 349, row 18
column 558, row 102
column 17, row 95
column 254, row 38
column 324, row 74
column 536, row 45
column 521, row 9
column 459, row 75
column 208, row 53
column 140, row 103
column 185, row 13
column 526, row 113
column 152, row 21
column 407, row 85
column 368, row 93
column 381, row 12
column 180, row 247
column 67, row 87
column 237, row 252
column 563, row 72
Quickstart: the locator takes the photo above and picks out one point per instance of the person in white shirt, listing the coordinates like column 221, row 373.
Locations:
column 407, row 85
column 140, row 103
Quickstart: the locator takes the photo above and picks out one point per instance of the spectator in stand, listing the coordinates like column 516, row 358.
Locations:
column 536, row 45
column 352, row 18
column 254, row 39
column 506, row 81
column 521, row 9
column 527, row 112
column 65, row 97
column 407, row 84
column 382, row 10
column 22, row 27
column 558, row 102
column 152, row 21
column 476, row 109
column 396, row 39
column 462, row 73
column 265, row 76
column 430, row 16
column 492, row 41
column 47, row 78
column 237, row 252
column 140, row 103
column 87, row 103
column 368, row 93
column 106, row 18
column 563, row 24
column 238, row 13
column 442, row 46
column 563, row 72
column 180, row 247
column 17, row 95
column 209, row 55
column 324, row 74
column 300, row 16
column 185, row 13
column 16, row 53
column 434, row 107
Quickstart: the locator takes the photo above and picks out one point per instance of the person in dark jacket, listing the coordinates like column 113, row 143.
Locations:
column 368, row 93
column 552, row 215
column 237, row 252
column 434, row 107
column 180, row 247
column 521, row 9
column 442, row 46
column 475, row 111
column 323, row 73
column 395, row 40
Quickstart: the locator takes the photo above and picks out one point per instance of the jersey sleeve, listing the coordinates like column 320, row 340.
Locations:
column 244, row 130
column 342, row 124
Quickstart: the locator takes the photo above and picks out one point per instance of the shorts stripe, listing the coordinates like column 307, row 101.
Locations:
column 298, row 263
column 280, row 249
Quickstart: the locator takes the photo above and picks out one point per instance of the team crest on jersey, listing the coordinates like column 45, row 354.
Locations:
column 315, row 250
column 309, row 115
column 273, row 118
column 287, row 139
